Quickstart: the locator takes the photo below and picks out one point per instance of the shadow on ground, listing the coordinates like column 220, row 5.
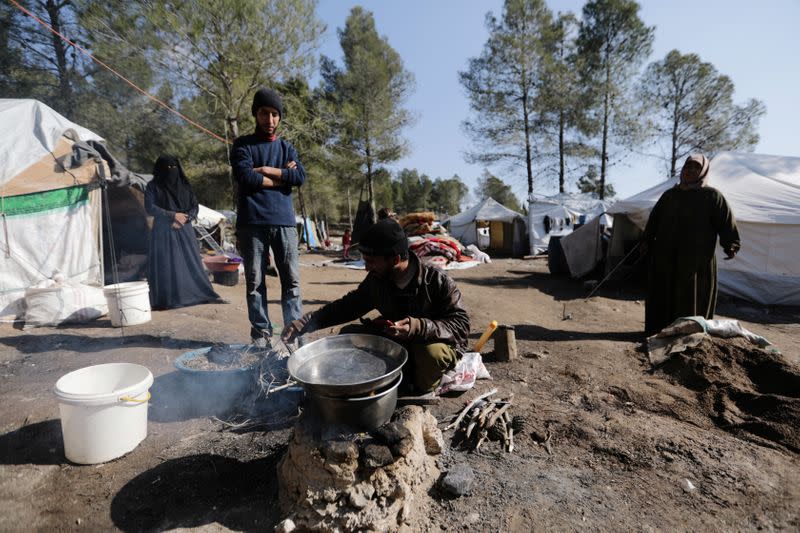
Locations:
column 528, row 332
column 88, row 343
column 196, row 490
column 334, row 283
column 39, row 444
column 559, row 287
column 760, row 314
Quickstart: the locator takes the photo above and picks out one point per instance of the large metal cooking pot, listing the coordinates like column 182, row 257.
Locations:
column 363, row 413
column 349, row 365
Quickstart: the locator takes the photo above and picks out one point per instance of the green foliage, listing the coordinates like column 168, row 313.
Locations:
column 36, row 63
column 447, row 195
column 692, row 108
column 490, row 186
column 412, row 191
column 213, row 54
column 590, row 183
column 613, row 42
column 547, row 94
column 366, row 98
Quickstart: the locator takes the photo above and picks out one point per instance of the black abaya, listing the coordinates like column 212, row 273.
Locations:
column 175, row 272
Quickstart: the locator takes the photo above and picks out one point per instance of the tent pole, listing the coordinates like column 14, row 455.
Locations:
column 612, row 271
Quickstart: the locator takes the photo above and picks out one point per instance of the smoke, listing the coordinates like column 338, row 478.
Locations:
column 236, row 396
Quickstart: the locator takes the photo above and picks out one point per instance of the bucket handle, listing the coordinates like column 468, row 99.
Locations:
column 132, row 399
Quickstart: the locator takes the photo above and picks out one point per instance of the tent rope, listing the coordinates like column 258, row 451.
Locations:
column 106, row 207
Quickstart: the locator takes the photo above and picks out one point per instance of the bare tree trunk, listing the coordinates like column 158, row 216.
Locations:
column 305, row 218
column 233, row 126
column 232, row 132
column 53, row 9
column 349, row 210
column 561, row 171
column 314, row 216
column 674, row 154
column 604, row 150
column 370, row 189
column 526, row 116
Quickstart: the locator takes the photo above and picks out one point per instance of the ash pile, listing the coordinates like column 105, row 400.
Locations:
column 377, row 481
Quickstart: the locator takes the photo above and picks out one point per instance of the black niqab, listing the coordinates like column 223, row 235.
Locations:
column 174, row 191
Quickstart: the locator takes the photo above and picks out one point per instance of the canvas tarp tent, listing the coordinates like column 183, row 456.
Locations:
column 51, row 215
column 51, row 207
column 506, row 228
column 557, row 215
column 764, row 194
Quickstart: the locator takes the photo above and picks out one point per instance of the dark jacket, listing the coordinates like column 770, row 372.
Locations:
column 256, row 205
column 431, row 297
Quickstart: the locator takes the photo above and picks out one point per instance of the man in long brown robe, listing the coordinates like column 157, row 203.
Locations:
column 680, row 238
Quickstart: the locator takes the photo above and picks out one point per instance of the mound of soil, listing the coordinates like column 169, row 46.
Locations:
column 751, row 392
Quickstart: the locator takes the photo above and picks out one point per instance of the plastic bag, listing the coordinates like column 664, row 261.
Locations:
column 477, row 255
column 55, row 302
column 468, row 369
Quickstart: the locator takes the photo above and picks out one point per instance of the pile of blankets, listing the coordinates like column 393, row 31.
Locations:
column 430, row 241
column 420, row 224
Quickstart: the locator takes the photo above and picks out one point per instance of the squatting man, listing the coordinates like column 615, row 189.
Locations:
column 420, row 307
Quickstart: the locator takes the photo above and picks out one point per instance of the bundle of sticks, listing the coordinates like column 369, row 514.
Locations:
column 488, row 418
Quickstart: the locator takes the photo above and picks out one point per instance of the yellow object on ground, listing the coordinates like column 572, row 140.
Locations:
column 486, row 334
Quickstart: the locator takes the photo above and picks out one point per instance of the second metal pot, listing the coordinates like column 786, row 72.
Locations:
column 363, row 413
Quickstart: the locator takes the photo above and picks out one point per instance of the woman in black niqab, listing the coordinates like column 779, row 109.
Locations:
column 174, row 271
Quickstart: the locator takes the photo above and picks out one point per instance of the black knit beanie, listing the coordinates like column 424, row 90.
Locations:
column 384, row 238
column 267, row 98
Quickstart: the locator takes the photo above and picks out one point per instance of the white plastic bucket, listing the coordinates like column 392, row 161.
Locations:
column 103, row 410
column 128, row 303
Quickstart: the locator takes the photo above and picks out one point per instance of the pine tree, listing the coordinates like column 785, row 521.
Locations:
column 503, row 85
column 692, row 109
column 367, row 95
column 613, row 42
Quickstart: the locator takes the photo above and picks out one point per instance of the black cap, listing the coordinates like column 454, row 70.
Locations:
column 267, row 98
column 384, row 238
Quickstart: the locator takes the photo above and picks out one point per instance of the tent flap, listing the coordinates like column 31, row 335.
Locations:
column 21, row 143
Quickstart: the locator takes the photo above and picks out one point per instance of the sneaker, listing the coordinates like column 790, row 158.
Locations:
column 262, row 343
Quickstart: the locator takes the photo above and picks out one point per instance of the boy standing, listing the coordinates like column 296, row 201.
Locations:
column 266, row 168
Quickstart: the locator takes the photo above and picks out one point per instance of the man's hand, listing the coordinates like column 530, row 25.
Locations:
column 730, row 254
column 291, row 164
column 177, row 225
column 268, row 182
column 404, row 329
column 181, row 218
column 293, row 329
column 289, row 333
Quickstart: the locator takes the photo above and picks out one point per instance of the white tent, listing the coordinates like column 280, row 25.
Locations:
column 207, row 217
column 506, row 228
column 764, row 194
column 50, row 208
column 557, row 215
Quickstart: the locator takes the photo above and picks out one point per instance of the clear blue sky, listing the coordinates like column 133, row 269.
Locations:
column 754, row 42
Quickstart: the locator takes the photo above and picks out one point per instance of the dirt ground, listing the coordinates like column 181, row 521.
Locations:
column 678, row 448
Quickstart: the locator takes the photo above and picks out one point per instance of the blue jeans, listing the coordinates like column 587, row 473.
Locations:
column 254, row 243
